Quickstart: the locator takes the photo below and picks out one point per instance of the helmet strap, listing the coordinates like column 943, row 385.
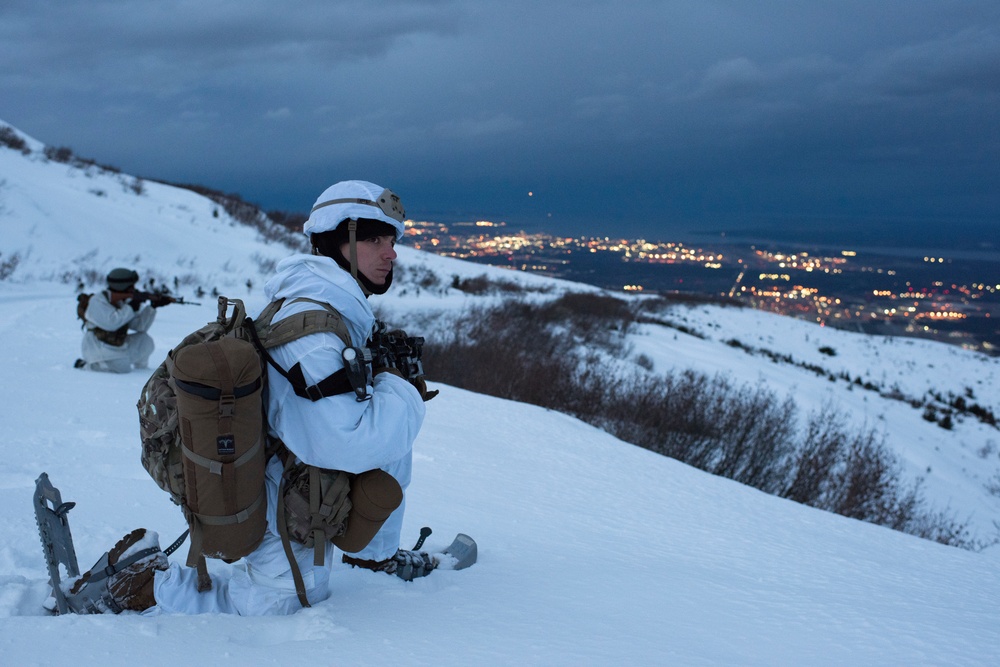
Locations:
column 352, row 229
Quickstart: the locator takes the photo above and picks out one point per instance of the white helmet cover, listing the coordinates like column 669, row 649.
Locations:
column 351, row 200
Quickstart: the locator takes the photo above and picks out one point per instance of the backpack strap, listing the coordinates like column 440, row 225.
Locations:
column 265, row 336
column 300, row 586
column 301, row 324
column 82, row 303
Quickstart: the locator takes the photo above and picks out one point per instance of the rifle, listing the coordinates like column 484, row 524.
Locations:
column 386, row 349
column 157, row 299
column 395, row 349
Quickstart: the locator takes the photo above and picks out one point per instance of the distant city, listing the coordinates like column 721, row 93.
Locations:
column 930, row 296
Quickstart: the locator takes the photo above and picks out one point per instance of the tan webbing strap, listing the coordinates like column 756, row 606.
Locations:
column 291, row 328
column 305, row 323
column 352, row 227
column 319, row 536
column 216, row 466
column 239, row 314
column 300, row 586
column 204, row 581
column 337, row 498
column 194, row 553
column 227, row 405
column 196, row 558
column 266, row 315
column 238, row 517
column 301, row 324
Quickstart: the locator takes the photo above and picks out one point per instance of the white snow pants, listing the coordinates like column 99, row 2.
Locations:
column 261, row 584
column 109, row 358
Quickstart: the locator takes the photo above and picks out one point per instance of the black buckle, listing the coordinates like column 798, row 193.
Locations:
column 227, row 405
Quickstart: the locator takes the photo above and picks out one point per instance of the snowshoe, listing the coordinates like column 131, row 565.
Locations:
column 413, row 564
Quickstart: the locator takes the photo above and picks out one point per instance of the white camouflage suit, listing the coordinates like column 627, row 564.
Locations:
column 335, row 432
column 134, row 353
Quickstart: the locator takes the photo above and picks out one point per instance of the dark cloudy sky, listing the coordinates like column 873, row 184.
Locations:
column 620, row 117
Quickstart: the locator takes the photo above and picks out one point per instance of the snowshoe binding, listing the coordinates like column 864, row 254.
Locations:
column 410, row 564
column 122, row 578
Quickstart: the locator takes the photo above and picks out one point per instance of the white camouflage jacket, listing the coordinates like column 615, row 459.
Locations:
column 336, row 432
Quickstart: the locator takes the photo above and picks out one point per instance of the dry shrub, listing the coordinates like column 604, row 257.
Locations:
column 551, row 355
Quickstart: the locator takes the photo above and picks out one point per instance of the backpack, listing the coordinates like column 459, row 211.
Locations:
column 82, row 301
column 116, row 338
column 203, row 425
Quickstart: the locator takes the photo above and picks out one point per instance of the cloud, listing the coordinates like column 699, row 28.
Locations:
column 737, row 77
column 763, row 98
column 967, row 61
column 486, row 126
column 191, row 46
column 601, row 106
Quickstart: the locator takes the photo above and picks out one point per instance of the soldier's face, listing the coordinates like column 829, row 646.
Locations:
column 375, row 257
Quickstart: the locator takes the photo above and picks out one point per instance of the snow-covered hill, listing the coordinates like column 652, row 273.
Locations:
column 592, row 551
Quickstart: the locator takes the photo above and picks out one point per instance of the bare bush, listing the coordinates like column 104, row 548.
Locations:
column 289, row 220
column 8, row 265
column 742, row 433
column 12, row 140
column 666, row 299
column 502, row 352
column 644, row 361
column 61, row 154
column 419, row 276
column 993, row 485
column 480, row 285
column 548, row 355
column 249, row 214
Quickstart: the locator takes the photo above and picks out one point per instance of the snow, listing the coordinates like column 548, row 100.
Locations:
column 591, row 550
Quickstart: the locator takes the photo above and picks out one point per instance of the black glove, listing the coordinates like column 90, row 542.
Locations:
column 421, row 386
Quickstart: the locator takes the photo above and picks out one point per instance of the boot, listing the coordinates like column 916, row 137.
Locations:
column 122, row 579
column 407, row 565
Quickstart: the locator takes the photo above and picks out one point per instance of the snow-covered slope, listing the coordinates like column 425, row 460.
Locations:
column 65, row 222
column 880, row 383
column 592, row 551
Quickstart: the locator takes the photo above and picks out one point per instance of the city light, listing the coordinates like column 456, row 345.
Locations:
column 811, row 284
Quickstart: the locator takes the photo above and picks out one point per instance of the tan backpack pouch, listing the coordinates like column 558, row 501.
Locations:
column 218, row 386
column 374, row 496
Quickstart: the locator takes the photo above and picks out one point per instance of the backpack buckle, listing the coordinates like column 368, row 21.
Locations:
column 227, row 405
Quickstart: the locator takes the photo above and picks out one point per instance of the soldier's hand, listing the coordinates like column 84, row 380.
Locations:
column 421, row 386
